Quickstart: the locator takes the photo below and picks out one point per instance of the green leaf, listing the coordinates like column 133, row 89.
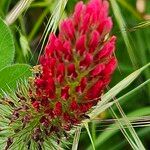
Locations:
column 9, row 76
column 7, row 48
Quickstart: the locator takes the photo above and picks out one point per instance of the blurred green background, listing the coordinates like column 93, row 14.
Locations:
column 29, row 28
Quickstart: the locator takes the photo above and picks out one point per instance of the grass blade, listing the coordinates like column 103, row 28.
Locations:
column 17, row 11
column 115, row 90
column 53, row 21
column 88, row 131
column 122, row 25
column 130, row 128
column 76, row 139
column 124, row 132
column 132, row 91
column 104, row 136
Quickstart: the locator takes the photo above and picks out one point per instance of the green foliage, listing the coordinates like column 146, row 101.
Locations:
column 9, row 76
column 113, row 129
column 90, row 136
column 4, row 4
column 24, row 45
column 133, row 45
column 54, row 20
column 6, row 45
column 76, row 138
column 122, row 26
column 17, row 11
column 104, row 103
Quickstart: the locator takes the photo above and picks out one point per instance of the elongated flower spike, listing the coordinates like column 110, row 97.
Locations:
column 73, row 72
column 76, row 66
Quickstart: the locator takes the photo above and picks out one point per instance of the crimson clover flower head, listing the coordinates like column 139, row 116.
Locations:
column 73, row 72
column 76, row 66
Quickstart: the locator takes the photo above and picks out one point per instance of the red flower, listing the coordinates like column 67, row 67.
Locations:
column 36, row 105
column 77, row 65
column 57, row 109
column 74, row 105
column 65, row 92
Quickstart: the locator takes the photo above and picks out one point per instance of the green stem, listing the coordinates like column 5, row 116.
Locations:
column 94, row 131
column 41, row 4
